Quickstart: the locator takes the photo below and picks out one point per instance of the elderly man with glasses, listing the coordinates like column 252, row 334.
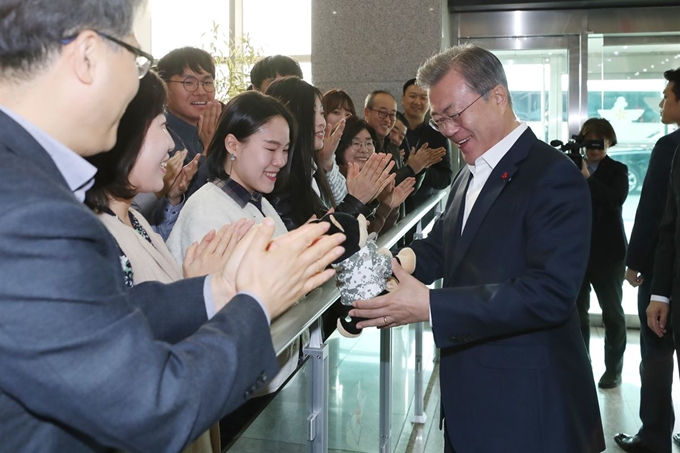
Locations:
column 512, row 248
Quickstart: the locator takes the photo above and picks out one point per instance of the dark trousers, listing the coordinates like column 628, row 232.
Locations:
column 656, row 377
column 607, row 281
column 448, row 448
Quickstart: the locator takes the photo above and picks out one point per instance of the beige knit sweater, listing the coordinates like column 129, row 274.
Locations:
column 153, row 262
column 210, row 208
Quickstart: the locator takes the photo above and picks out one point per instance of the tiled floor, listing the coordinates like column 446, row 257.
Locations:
column 619, row 407
column 354, row 400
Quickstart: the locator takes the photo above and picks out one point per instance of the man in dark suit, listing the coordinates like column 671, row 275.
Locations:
column 656, row 368
column 646, row 258
column 438, row 175
column 608, row 184
column 511, row 250
column 86, row 364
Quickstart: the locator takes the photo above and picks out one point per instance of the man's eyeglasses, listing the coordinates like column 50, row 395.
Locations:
column 384, row 114
column 356, row 146
column 191, row 84
column 440, row 124
column 143, row 60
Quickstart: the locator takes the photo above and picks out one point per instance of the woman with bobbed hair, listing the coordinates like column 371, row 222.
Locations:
column 136, row 164
column 308, row 192
column 357, row 145
column 608, row 184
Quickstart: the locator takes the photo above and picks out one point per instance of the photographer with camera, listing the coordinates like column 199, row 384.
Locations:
column 608, row 183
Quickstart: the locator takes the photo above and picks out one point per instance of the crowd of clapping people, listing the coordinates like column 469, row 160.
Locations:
column 185, row 166
column 150, row 233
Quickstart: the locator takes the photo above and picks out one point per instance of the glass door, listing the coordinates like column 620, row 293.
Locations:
column 624, row 85
column 543, row 84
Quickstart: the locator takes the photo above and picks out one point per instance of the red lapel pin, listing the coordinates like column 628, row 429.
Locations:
column 504, row 176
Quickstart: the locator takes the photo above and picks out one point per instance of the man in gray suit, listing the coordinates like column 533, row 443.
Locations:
column 88, row 366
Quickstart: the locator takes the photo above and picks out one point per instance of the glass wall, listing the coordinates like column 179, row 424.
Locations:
column 625, row 84
column 279, row 27
column 271, row 27
column 354, row 397
column 177, row 23
column 539, row 84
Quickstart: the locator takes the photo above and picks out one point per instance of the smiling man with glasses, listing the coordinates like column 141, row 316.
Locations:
column 512, row 248
column 434, row 162
column 192, row 111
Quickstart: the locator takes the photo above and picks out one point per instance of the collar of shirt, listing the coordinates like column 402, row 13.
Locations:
column 238, row 193
column 490, row 158
column 77, row 172
column 187, row 133
column 592, row 167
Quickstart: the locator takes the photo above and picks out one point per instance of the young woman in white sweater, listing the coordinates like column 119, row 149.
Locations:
column 248, row 154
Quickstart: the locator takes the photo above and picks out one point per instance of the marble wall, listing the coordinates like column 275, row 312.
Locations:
column 364, row 45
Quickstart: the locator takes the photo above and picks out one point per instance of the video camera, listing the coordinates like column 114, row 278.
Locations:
column 573, row 147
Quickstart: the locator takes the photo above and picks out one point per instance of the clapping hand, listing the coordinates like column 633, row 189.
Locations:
column 172, row 168
column 365, row 185
column 182, row 181
column 214, row 250
column 425, row 157
column 278, row 272
column 394, row 196
column 330, row 145
column 207, row 123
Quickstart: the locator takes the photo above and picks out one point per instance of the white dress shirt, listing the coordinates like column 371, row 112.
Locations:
column 482, row 168
column 484, row 165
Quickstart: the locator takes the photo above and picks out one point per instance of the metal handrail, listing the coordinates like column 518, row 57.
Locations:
column 289, row 326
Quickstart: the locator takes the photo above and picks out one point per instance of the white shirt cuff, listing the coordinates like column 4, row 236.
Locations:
column 663, row 299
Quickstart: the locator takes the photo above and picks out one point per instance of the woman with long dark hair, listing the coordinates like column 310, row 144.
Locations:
column 308, row 193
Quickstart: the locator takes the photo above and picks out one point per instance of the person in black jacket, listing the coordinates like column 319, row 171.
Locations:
column 656, row 368
column 307, row 192
column 608, row 183
column 438, row 176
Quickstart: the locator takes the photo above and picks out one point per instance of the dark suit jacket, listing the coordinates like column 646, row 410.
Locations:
column 608, row 191
column 515, row 375
column 88, row 366
column 644, row 237
column 666, row 260
column 438, row 176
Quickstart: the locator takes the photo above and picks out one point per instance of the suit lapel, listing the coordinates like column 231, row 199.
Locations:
column 458, row 201
column 499, row 179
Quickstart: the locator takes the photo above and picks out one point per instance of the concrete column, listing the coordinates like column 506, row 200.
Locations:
column 364, row 45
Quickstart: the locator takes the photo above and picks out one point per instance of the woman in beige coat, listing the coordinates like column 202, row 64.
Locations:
column 137, row 164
